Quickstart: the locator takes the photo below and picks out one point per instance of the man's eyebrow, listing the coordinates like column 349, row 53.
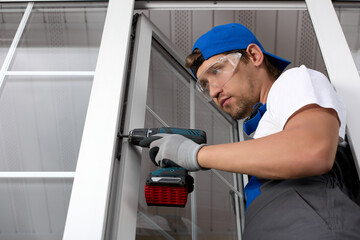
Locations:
column 216, row 65
column 211, row 67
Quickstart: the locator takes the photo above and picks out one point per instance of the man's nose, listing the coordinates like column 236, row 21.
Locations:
column 215, row 90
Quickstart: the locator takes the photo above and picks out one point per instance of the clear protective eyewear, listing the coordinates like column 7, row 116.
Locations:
column 217, row 74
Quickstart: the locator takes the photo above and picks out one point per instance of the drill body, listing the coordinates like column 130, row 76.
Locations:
column 139, row 134
column 167, row 186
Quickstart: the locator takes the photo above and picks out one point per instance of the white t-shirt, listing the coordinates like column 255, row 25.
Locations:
column 294, row 89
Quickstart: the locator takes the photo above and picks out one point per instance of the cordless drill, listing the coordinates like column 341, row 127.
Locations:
column 167, row 186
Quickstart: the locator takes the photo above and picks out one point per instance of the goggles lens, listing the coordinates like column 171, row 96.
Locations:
column 217, row 74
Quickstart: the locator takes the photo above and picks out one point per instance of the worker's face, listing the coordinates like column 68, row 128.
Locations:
column 235, row 92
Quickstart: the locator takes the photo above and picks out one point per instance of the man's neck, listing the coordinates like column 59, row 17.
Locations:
column 268, row 82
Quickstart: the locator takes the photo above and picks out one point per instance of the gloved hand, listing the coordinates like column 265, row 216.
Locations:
column 176, row 148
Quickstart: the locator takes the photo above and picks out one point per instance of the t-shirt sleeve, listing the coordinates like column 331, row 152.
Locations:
column 299, row 87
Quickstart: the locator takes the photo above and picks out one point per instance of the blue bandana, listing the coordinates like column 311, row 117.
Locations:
column 252, row 122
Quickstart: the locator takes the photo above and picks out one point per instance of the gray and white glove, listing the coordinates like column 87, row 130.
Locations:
column 168, row 148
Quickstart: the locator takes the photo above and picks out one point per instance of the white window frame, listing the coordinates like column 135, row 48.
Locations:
column 122, row 219
column 87, row 211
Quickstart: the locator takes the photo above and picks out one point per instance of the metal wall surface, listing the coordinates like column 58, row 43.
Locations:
column 286, row 33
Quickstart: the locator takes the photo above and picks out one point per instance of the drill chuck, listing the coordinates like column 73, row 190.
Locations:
column 136, row 135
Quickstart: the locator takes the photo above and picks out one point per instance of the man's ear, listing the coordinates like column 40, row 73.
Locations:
column 255, row 54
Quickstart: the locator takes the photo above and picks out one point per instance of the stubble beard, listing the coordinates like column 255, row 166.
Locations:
column 244, row 103
column 241, row 110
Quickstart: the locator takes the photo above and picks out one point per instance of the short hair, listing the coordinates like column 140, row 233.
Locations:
column 271, row 69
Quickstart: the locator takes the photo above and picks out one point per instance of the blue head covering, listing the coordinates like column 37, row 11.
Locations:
column 228, row 37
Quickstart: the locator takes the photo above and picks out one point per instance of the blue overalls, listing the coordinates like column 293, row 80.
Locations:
column 252, row 189
column 312, row 208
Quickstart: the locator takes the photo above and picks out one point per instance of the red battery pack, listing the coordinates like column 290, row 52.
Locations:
column 168, row 187
column 166, row 196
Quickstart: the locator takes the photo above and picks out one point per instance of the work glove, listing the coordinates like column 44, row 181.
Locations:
column 171, row 150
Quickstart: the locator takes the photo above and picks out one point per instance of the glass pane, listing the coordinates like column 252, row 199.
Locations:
column 169, row 97
column 215, row 207
column 10, row 17
column 215, row 201
column 61, row 37
column 159, row 222
column 349, row 17
column 41, row 122
column 33, row 208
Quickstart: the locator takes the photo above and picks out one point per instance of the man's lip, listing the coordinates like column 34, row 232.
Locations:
column 224, row 101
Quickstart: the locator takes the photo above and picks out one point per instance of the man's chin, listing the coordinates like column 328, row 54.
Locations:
column 238, row 117
column 237, row 114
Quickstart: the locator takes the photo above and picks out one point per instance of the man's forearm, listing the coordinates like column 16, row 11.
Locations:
column 266, row 158
column 307, row 147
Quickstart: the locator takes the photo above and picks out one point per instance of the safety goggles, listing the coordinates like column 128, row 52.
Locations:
column 217, row 74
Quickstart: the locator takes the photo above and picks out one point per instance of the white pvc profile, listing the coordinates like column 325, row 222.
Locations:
column 6, row 10
column 50, row 73
column 239, row 210
column 194, row 233
column 89, row 8
column 124, row 222
column 219, row 5
column 87, row 211
column 37, row 175
column 339, row 63
column 15, row 42
column 242, row 180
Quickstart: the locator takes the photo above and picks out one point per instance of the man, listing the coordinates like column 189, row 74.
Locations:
column 298, row 121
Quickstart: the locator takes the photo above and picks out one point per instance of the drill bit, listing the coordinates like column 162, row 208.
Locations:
column 123, row 135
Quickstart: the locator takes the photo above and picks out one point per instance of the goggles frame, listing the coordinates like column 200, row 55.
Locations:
column 203, row 85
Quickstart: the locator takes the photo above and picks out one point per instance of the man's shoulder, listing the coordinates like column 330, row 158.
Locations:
column 299, row 76
column 296, row 71
column 298, row 81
